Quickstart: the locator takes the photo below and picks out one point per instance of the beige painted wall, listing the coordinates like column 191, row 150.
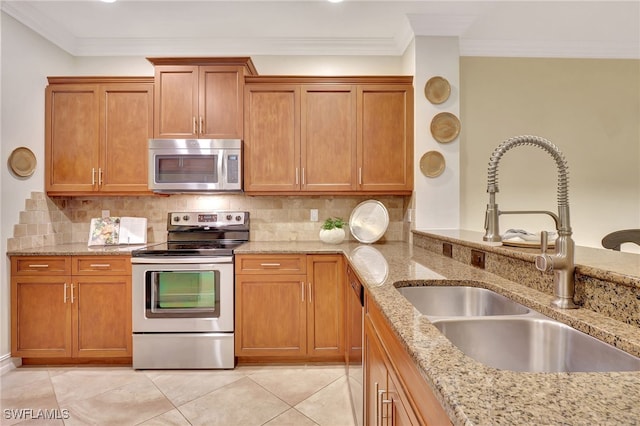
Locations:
column 589, row 108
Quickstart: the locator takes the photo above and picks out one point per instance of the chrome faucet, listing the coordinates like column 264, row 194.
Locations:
column 562, row 262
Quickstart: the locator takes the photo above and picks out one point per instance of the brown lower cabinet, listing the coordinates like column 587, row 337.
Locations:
column 71, row 307
column 395, row 392
column 289, row 307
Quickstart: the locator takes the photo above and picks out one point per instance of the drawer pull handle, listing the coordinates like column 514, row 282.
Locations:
column 100, row 265
column 44, row 265
column 270, row 265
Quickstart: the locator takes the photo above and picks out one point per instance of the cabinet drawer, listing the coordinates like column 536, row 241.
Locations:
column 33, row 265
column 271, row 264
column 98, row 265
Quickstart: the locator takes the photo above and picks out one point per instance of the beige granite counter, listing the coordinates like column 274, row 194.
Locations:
column 75, row 249
column 470, row 392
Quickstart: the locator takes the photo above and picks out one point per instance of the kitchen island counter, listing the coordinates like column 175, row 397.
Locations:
column 470, row 392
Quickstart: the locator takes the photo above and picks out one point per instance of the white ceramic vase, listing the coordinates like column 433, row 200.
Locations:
column 332, row 236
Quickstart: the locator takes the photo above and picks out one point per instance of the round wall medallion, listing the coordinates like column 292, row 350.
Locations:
column 445, row 127
column 432, row 164
column 22, row 162
column 437, row 90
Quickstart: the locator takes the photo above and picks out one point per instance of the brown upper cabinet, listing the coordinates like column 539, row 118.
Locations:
column 327, row 135
column 96, row 132
column 199, row 97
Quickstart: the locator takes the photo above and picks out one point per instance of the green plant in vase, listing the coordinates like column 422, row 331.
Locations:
column 332, row 230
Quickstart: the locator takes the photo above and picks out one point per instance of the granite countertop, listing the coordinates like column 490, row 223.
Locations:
column 76, row 249
column 470, row 392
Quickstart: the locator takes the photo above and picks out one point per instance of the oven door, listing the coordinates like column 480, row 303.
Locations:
column 174, row 294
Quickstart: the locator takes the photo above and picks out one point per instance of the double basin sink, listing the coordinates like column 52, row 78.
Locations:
column 506, row 335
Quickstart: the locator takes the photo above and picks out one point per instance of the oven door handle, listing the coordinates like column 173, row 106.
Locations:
column 178, row 260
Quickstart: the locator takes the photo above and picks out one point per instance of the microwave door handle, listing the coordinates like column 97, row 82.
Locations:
column 222, row 181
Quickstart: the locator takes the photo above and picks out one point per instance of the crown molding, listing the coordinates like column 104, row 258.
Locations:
column 416, row 25
column 45, row 27
column 236, row 46
column 550, row 49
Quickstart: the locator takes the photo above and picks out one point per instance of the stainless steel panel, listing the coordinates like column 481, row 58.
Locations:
column 183, row 351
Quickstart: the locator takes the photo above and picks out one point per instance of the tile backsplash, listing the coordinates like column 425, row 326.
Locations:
column 58, row 220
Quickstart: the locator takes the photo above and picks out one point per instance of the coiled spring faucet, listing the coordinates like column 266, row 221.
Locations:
column 562, row 262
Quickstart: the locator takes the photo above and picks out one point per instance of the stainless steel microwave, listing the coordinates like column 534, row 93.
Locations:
column 195, row 165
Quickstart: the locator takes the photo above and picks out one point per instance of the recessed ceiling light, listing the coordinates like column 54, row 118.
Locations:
column 335, row 1
column 108, row 1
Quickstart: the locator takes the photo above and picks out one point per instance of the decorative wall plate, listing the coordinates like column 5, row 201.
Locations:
column 445, row 127
column 22, row 162
column 368, row 221
column 432, row 164
column 437, row 90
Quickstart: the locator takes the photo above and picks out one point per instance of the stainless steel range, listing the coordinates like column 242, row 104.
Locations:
column 183, row 292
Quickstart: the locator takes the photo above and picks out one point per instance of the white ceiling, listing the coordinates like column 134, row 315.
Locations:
column 603, row 29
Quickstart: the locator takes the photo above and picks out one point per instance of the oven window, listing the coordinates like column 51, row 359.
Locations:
column 183, row 294
column 186, row 169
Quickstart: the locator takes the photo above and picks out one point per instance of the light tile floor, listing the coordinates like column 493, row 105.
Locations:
column 296, row 395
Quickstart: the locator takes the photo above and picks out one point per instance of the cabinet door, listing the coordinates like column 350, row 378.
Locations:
column 272, row 138
column 325, row 320
column 40, row 316
column 220, row 102
column 126, row 114
column 101, row 321
column 71, row 138
column 375, row 379
column 270, row 315
column 176, row 101
column 396, row 412
column 328, row 139
column 385, row 137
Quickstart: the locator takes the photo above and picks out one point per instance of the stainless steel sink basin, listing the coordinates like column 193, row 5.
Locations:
column 460, row 301
column 534, row 344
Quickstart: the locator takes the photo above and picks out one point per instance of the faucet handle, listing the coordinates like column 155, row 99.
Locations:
column 544, row 241
column 544, row 262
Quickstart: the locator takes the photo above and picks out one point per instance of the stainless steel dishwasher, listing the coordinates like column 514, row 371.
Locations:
column 355, row 316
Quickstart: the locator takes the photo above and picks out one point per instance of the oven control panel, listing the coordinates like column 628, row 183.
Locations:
column 208, row 219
